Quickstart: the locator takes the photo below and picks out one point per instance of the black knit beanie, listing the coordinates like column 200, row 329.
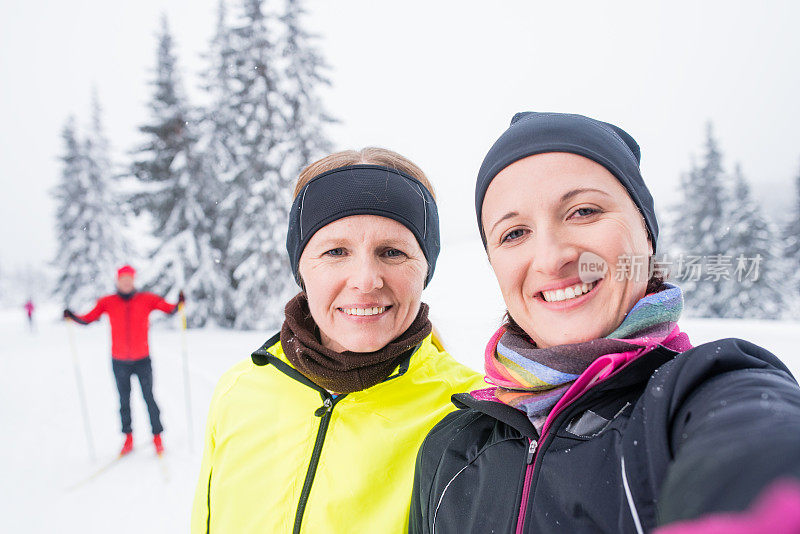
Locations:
column 537, row 133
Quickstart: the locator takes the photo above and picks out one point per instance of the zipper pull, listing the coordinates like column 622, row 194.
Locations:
column 326, row 407
column 532, row 450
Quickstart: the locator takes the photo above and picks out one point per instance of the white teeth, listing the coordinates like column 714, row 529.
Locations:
column 568, row 293
column 364, row 311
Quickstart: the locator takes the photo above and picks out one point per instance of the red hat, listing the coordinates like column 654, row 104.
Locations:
column 126, row 270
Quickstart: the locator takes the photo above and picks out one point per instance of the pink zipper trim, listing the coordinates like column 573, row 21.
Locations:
column 606, row 367
column 526, row 491
column 523, row 508
column 598, row 372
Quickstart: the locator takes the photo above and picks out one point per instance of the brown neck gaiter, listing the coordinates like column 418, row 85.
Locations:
column 343, row 372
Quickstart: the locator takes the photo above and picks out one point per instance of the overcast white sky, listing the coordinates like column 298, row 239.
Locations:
column 436, row 81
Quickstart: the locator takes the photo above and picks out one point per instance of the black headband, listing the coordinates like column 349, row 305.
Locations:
column 363, row 190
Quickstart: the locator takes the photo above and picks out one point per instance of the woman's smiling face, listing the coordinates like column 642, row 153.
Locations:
column 363, row 276
column 543, row 216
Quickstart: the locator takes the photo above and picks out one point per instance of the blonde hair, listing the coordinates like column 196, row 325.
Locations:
column 370, row 156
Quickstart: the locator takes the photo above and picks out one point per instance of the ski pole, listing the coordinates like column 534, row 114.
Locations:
column 186, row 375
column 81, row 394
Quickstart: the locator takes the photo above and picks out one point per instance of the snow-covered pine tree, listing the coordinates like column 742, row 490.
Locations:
column 263, row 122
column 106, row 229
column 217, row 147
column 304, row 76
column 259, row 196
column 75, row 272
column 179, row 195
column 700, row 230
column 791, row 252
column 89, row 221
column 255, row 210
column 755, row 289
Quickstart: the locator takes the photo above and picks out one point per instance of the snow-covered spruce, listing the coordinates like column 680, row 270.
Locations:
column 179, row 193
column 265, row 123
column 89, row 221
column 721, row 225
column 755, row 238
column 791, row 252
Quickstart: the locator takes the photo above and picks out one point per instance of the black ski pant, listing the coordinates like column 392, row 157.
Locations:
column 143, row 369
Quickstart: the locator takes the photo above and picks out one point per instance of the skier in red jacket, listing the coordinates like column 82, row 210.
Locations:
column 29, row 307
column 128, row 312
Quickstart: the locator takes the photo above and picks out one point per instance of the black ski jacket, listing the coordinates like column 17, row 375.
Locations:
column 669, row 437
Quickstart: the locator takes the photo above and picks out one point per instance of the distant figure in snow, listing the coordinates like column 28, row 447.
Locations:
column 128, row 312
column 29, row 307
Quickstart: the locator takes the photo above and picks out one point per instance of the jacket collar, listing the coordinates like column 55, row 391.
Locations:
column 262, row 356
column 638, row 372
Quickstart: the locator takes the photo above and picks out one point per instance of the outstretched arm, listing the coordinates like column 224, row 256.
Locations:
column 159, row 303
column 90, row 317
column 733, row 441
column 776, row 510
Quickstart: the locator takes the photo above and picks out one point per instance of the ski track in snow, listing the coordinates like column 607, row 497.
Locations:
column 43, row 451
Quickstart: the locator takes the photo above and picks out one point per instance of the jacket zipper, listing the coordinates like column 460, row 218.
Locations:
column 128, row 328
column 526, row 488
column 521, row 519
column 534, row 449
column 324, row 412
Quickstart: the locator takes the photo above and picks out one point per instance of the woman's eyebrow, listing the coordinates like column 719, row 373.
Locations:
column 394, row 242
column 569, row 194
column 503, row 218
column 333, row 242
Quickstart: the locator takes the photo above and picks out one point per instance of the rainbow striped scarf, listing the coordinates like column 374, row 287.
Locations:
column 533, row 380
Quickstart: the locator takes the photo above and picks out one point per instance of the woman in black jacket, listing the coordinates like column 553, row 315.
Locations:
column 602, row 416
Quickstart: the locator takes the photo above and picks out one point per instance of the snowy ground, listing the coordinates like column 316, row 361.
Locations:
column 43, row 451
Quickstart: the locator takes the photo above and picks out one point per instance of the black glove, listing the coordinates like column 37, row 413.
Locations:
column 181, row 298
column 68, row 314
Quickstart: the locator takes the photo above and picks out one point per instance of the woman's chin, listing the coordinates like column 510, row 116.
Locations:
column 366, row 347
column 357, row 344
column 568, row 337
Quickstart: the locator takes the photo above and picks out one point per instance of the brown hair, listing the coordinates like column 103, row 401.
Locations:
column 370, row 156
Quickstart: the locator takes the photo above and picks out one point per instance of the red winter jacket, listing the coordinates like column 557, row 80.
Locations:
column 129, row 317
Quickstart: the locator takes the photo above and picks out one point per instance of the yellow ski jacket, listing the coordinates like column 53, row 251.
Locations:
column 283, row 455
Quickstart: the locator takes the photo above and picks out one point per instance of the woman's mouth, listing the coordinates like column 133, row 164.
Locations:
column 365, row 312
column 567, row 293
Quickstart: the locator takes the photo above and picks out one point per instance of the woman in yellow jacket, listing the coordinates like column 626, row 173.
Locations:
column 318, row 431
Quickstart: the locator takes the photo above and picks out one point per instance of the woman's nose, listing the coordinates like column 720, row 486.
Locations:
column 366, row 275
column 553, row 253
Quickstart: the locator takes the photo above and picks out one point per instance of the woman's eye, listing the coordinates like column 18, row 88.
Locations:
column 585, row 212
column 394, row 253
column 335, row 252
column 513, row 234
